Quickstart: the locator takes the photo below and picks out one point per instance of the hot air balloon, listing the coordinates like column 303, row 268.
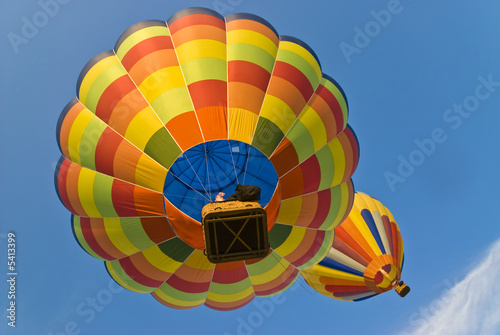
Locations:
column 182, row 110
column 366, row 257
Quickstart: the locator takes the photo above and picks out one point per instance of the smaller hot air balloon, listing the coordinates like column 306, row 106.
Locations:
column 366, row 257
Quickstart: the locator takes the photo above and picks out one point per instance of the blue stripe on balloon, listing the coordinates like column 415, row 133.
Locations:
column 367, row 297
column 367, row 216
column 330, row 263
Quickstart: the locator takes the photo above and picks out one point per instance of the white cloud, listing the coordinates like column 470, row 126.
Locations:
column 471, row 306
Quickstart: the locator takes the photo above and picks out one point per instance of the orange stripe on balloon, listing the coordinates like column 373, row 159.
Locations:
column 149, row 270
column 245, row 96
column 185, row 130
column 188, row 229
column 148, row 203
column 286, row 91
column 113, row 93
column 65, row 129
column 145, row 49
column 272, row 207
column 198, row 32
column 72, row 189
column 102, row 238
column 351, row 228
column 125, row 110
column 284, row 157
column 344, row 235
column 191, row 20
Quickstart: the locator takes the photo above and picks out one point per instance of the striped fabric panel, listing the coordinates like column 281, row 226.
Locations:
column 115, row 238
column 105, row 88
column 271, row 275
column 323, row 119
column 332, row 165
column 295, row 77
column 230, row 288
column 147, row 270
column 147, row 53
column 86, row 140
column 322, row 210
column 252, row 45
column 188, row 286
column 199, row 39
column 336, row 284
column 88, row 193
column 302, row 247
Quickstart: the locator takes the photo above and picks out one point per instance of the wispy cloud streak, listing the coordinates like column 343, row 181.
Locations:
column 472, row 306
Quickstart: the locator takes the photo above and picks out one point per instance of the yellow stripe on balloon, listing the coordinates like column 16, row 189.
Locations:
column 119, row 280
column 274, row 272
column 324, row 271
column 161, row 81
column 292, row 242
column 197, row 260
column 110, row 63
column 311, row 120
column 364, row 230
column 142, row 127
column 313, row 73
column 251, row 53
column 290, row 210
column 139, row 36
column 172, row 103
column 177, row 302
column 337, row 152
column 278, row 112
column 340, row 98
column 232, row 296
column 117, row 236
column 150, row 174
column 241, row 124
column 161, row 261
column 244, row 36
column 207, row 68
column 76, row 133
column 200, row 49
column 86, row 192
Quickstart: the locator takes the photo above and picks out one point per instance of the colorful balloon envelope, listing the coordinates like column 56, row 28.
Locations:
column 366, row 257
column 182, row 110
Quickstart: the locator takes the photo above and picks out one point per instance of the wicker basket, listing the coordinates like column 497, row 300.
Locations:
column 234, row 230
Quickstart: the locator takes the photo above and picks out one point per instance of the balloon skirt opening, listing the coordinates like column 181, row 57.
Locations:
column 200, row 173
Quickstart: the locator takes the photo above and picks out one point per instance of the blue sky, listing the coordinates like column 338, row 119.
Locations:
column 423, row 83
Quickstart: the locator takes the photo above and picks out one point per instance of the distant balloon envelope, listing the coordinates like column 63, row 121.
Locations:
column 366, row 257
column 182, row 110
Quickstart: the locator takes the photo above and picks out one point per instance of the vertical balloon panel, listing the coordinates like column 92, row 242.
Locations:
column 252, row 44
column 199, row 39
column 295, row 76
column 147, row 53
